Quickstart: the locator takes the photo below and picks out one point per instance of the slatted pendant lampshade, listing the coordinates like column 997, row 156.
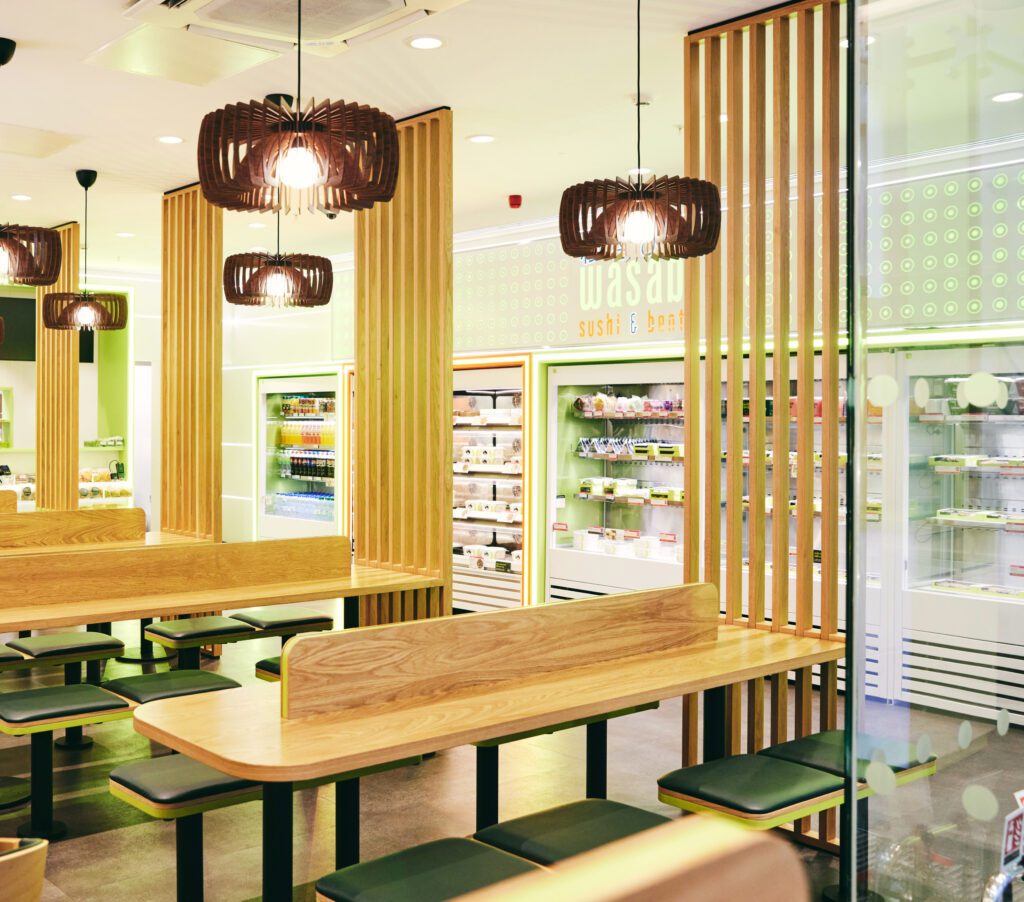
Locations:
column 662, row 218
column 275, row 154
column 29, row 255
column 659, row 218
column 278, row 280
column 85, row 310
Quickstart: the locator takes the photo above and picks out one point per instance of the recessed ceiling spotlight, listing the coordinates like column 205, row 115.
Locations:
column 1007, row 97
column 425, row 42
column 480, row 139
column 21, row 197
column 257, row 225
column 169, row 139
column 125, row 234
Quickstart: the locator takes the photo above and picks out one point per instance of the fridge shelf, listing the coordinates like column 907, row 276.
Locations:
column 629, row 499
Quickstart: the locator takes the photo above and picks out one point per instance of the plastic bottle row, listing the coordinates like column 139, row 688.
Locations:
column 301, row 505
column 310, row 434
column 309, row 464
column 304, row 406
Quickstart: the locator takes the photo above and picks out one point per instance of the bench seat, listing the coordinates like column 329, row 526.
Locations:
column 51, row 707
column 755, row 790
column 285, row 618
column 62, row 645
column 151, row 687
column 269, row 669
column 825, row 751
column 192, row 632
column 431, row 872
column 559, row 833
column 9, row 656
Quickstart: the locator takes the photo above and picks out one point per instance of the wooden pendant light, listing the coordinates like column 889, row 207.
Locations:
column 658, row 218
column 29, row 255
column 85, row 310
column 278, row 280
column 274, row 155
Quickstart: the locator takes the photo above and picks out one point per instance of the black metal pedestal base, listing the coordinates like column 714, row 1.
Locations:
column 73, row 740
column 137, row 655
column 56, row 830
column 41, row 824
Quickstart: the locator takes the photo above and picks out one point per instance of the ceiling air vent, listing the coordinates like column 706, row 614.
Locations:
column 326, row 24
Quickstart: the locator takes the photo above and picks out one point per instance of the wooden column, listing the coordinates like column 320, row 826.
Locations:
column 57, row 392
column 403, row 453
column 190, row 387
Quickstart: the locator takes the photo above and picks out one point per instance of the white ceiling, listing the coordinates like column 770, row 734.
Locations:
column 553, row 80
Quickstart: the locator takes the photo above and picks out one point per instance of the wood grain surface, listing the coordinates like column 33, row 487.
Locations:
column 341, row 670
column 241, row 731
column 90, row 525
column 22, row 870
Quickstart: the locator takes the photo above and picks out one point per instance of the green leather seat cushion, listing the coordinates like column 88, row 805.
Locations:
column 151, row 687
column 431, row 872
column 283, row 616
column 211, row 627
column 824, row 751
column 270, row 665
column 55, row 702
column 8, row 655
column 63, row 644
column 559, row 833
column 752, row 784
column 176, row 779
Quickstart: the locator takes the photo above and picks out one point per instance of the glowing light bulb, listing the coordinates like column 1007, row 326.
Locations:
column 639, row 228
column 85, row 316
column 5, row 263
column 299, row 167
column 278, row 285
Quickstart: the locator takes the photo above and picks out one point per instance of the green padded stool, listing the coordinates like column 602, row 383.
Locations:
column 70, row 649
column 269, row 669
column 825, row 751
column 285, row 620
column 175, row 787
column 9, row 656
column 15, row 793
column 756, row 791
column 559, row 833
column 39, row 712
column 151, row 687
column 187, row 636
column 432, row 872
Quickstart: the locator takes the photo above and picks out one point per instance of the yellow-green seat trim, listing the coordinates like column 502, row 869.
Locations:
column 186, row 809
column 82, row 720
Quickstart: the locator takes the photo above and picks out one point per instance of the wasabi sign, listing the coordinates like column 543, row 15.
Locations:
column 625, row 299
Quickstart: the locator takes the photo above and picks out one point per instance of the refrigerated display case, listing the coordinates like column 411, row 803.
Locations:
column 298, row 456
column 489, row 503
column 615, row 439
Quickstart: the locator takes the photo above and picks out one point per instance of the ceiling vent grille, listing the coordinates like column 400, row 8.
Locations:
column 322, row 20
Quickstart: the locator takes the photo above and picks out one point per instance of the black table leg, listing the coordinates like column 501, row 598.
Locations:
column 41, row 823
column 346, row 823
column 715, row 725
column 859, row 849
column 73, row 738
column 94, row 669
column 350, row 612
column 145, row 653
column 188, row 851
column 188, row 658
column 597, row 760
column 277, row 842
column 486, row 786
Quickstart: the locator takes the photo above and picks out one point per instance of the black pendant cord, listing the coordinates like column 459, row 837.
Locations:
column 298, row 62
column 279, row 231
column 639, row 173
column 85, row 246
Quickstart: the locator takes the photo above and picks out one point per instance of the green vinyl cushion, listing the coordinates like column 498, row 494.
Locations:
column 432, row 872
column 151, row 687
column 824, row 751
column 752, row 784
column 270, row 665
column 63, row 644
column 176, row 779
column 558, row 833
column 283, row 616
column 212, row 627
column 14, row 793
column 8, row 655
column 55, row 702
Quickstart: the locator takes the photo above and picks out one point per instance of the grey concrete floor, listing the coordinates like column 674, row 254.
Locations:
column 924, row 844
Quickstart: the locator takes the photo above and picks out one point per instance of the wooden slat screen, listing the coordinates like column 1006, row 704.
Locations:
column 57, row 392
column 403, row 462
column 190, row 389
column 763, row 154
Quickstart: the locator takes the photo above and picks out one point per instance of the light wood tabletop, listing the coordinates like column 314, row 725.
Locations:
column 241, row 731
column 150, row 540
column 361, row 580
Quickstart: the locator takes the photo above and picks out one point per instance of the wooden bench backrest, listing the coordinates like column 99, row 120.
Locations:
column 91, row 525
column 22, row 869
column 56, row 578
column 380, row 665
column 8, row 501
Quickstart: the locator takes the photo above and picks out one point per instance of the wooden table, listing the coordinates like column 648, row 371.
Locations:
column 242, row 731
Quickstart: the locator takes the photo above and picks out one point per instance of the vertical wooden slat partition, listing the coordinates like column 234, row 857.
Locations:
column 190, row 380
column 403, row 463
column 57, row 392
column 780, row 48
